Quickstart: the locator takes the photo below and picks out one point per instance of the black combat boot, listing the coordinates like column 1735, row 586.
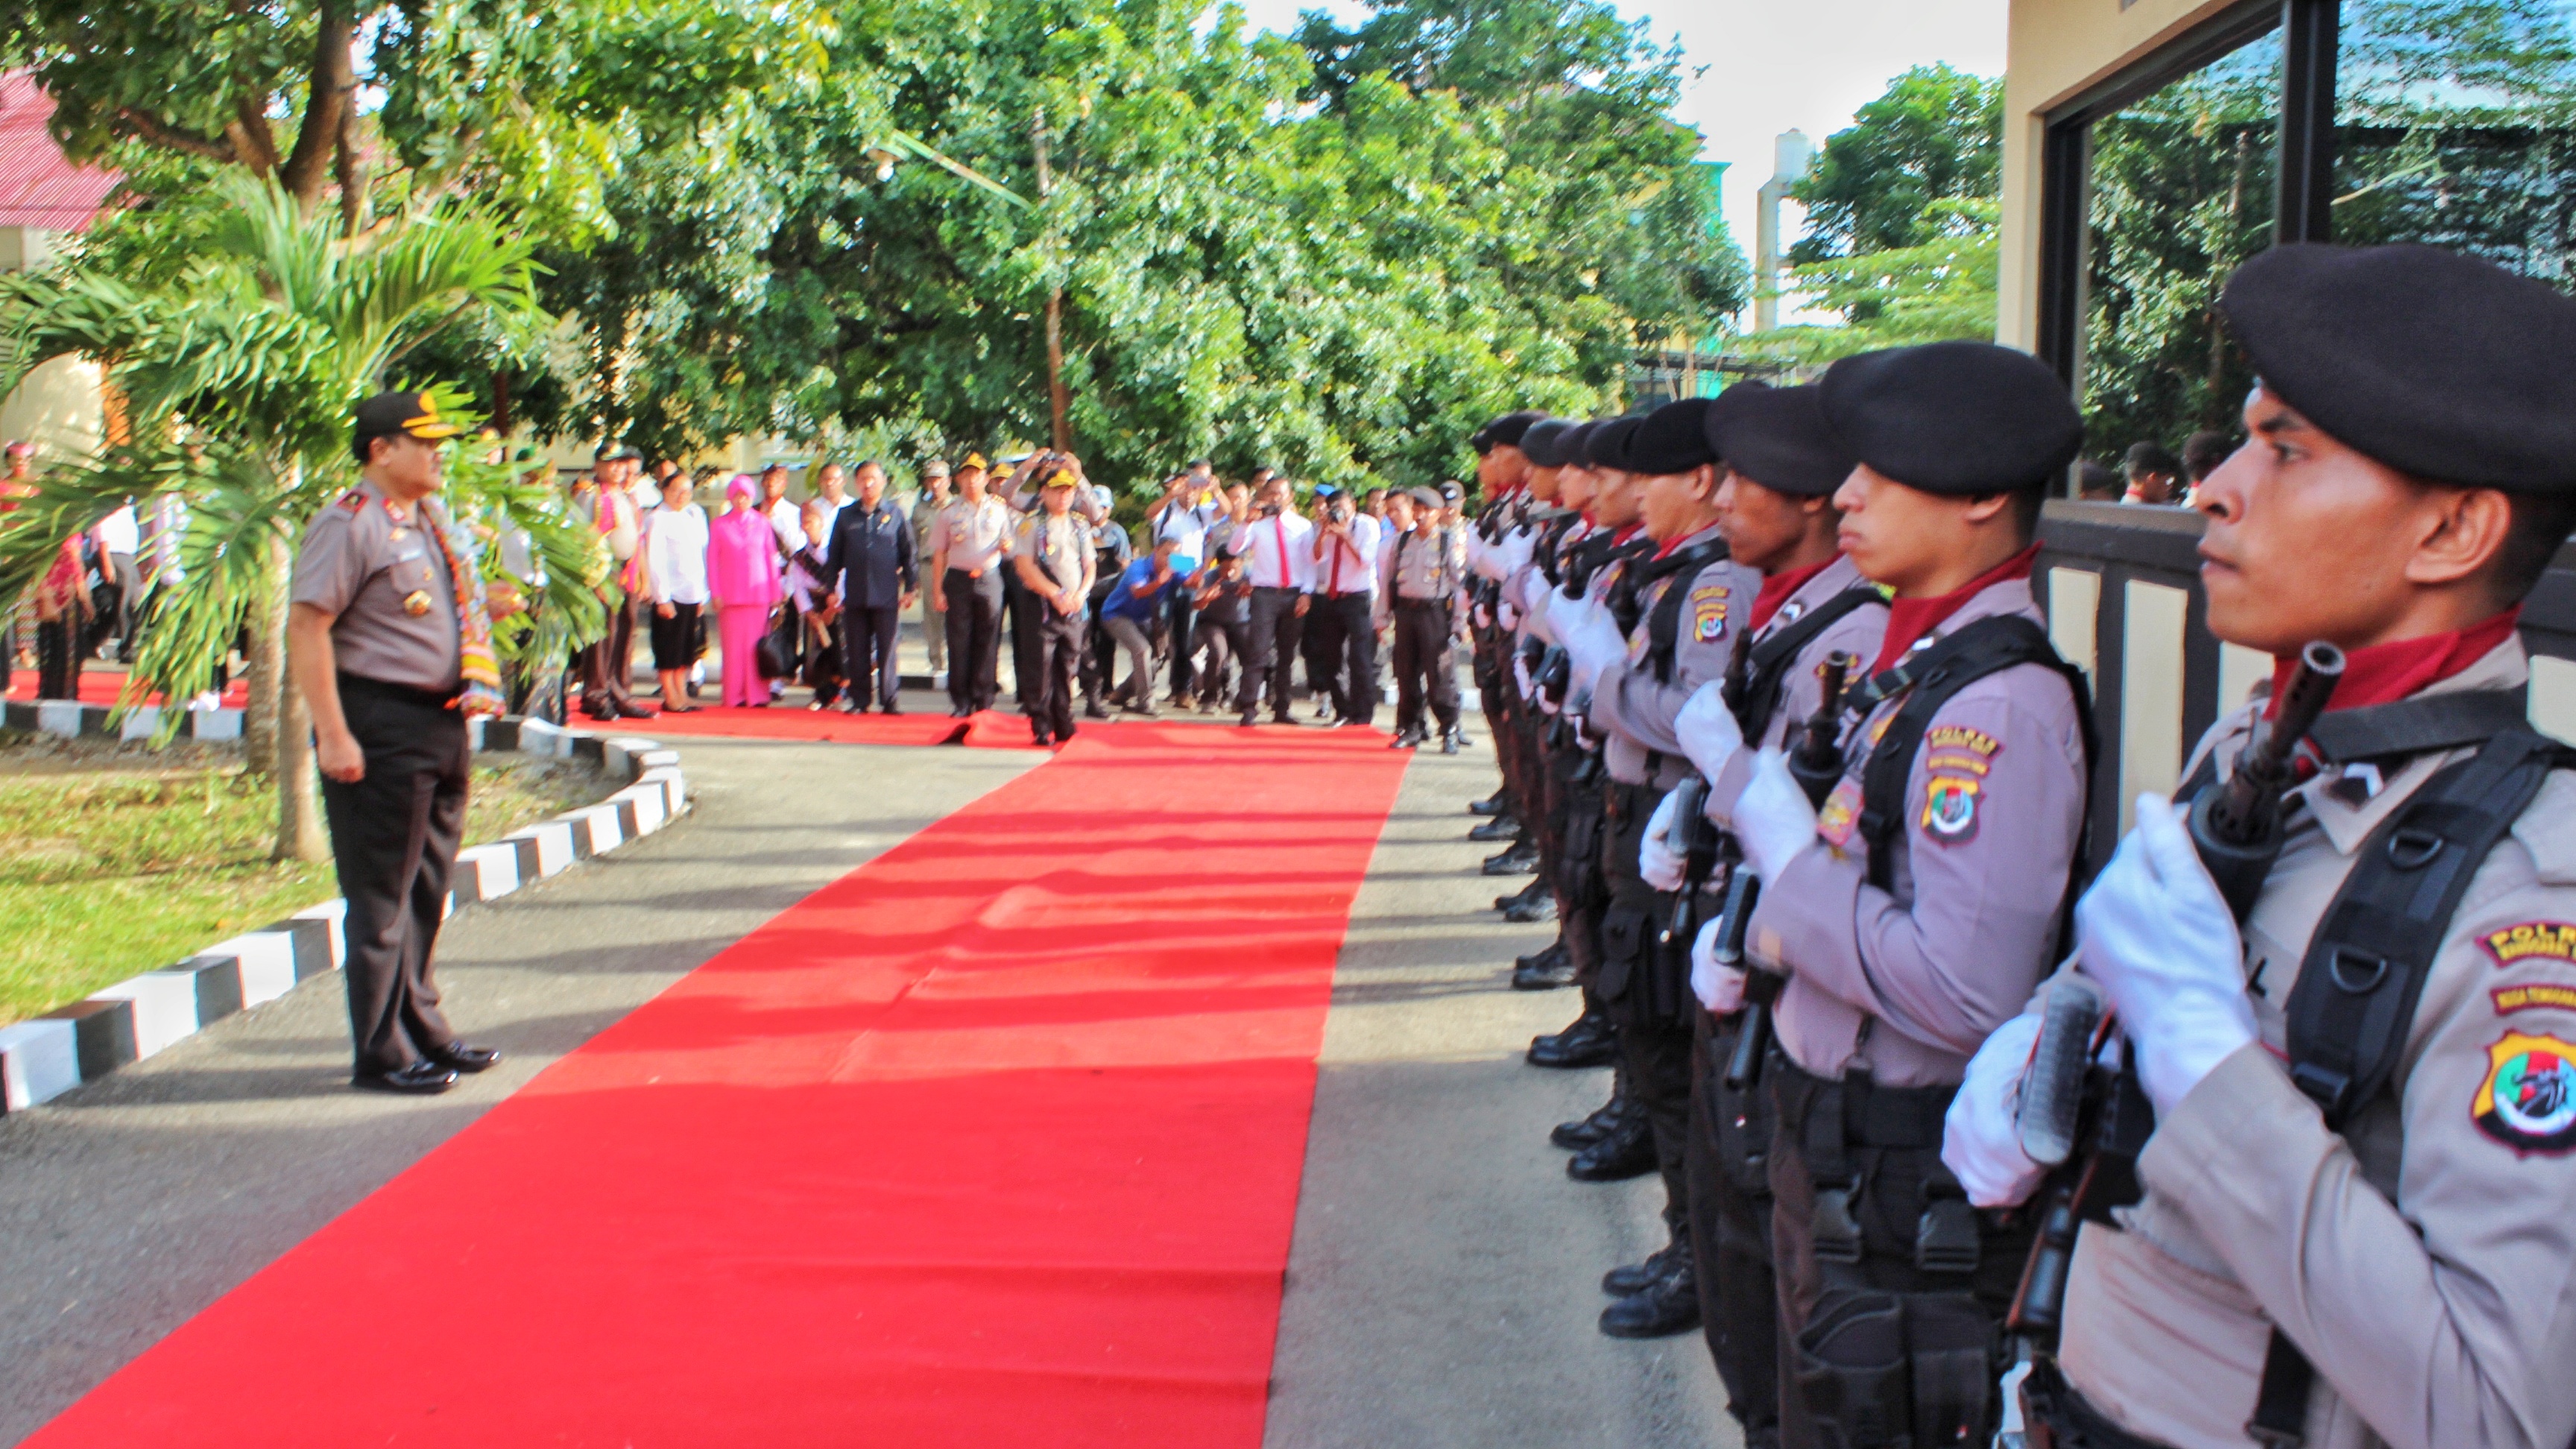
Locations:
column 1501, row 827
column 1498, row 803
column 1629, row 1151
column 1590, row 1042
column 1582, row 1132
column 1664, row 1307
column 1534, row 909
column 1520, row 859
column 1543, row 971
column 1630, row 1278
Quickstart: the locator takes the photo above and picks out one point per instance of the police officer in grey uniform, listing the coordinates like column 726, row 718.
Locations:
column 377, row 643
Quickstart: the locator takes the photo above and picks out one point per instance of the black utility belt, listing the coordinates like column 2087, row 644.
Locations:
column 2052, row 1407
column 1402, row 602
column 1871, row 1115
column 361, row 685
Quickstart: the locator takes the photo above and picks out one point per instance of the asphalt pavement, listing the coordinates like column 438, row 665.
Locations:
column 1441, row 1289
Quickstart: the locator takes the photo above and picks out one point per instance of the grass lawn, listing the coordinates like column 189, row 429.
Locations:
column 115, row 859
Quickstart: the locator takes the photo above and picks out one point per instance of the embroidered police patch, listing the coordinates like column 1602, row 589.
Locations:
column 1708, row 614
column 2528, row 1100
column 1841, row 809
column 2549, row 940
column 2510, row 999
column 1950, row 808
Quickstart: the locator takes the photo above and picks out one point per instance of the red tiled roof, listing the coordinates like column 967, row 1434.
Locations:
column 37, row 186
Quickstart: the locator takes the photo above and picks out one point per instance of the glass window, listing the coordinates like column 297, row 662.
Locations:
column 2455, row 125
column 2181, row 190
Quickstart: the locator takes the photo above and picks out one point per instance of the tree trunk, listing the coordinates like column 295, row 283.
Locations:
column 299, row 803
column 266, row 622
column 331, row 83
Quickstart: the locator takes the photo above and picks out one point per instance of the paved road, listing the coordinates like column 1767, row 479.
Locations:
column 1440, row 1290
column 1444, row 1281
column 130, row 1204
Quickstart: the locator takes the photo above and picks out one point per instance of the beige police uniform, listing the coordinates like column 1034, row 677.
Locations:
column 977, row 537
column 385, row 580
column 1061, row 550
column 2427, row 1266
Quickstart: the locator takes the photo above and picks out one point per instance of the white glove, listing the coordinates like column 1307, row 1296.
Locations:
column 1513, row 553
column 1521, row 675
column 1707, row 730
column 1511, row 616
column 1773, row 821
column 1484, row 617
column 1981, row 1136
column 1538, row 602
column 1658, row 863
column 2157, row 937
column 1591, row 640
column 1720, row 989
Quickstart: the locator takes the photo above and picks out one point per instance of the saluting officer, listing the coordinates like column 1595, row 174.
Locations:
column 1776, row 508
column 389, row 635
column 1917, row 909
column 2355, row 1228
column 1055, row 565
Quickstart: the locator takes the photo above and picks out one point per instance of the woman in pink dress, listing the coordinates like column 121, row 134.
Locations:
column 742, row 579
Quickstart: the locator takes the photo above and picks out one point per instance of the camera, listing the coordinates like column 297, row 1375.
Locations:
column 1339, row 508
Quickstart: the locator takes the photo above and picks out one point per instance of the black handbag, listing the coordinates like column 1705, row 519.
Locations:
column 772, row 660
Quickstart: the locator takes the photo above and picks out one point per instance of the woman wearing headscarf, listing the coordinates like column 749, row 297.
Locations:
column 742, row 577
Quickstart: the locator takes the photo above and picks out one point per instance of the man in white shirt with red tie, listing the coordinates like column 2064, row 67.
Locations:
column 1278, row 549
column 1346, row 544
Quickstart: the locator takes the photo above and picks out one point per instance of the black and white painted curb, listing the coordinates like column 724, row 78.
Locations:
column 42, row 1058
column 72, row 719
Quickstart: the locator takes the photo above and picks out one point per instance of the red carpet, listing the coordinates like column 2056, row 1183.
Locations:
column 992, row 729
column 99, row 687
column 796, row 722
column 995, row 1141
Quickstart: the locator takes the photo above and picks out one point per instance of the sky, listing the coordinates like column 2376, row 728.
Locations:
column 1755, row 68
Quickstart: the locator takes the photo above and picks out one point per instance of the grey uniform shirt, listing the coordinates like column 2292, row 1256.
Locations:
column 1633, row 709
column 358, row 563
column 1912, row 979
column 2427, row 1267
column 1060, row 547
column 975, row 535
column 1857, row 633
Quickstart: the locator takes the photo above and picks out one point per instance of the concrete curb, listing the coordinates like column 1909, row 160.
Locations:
column 46, row 1056
column 72, row 719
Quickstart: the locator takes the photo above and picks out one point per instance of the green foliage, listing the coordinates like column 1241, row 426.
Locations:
column 1935, row 136
column 1940, row 290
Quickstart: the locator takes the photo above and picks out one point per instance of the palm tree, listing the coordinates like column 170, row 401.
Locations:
column 239, row 379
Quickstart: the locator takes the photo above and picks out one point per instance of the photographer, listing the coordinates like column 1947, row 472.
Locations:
column 1342, row 658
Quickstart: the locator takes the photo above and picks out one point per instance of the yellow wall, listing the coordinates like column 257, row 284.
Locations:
column 57, row 407
column 2055, row 50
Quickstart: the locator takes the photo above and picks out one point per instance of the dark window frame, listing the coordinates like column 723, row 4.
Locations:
column 2304, row 204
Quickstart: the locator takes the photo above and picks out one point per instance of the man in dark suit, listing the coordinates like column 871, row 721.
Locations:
column 871, row 559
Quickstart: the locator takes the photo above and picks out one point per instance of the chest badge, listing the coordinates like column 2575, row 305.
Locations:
column 416, row 603
column 2528, row 1100
column 1840, row 811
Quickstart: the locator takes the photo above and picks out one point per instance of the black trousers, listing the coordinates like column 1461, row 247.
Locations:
column 393, row 839
column 1274, row 632
column 974, row 626
column 58, row 657
column 1026, row 612
column 1645, row 993
column 1345, row 635
column 1730, row 1228
column 1222, row 646
column 1059, row 649
column 867, row 652
column 608, row 663
column 1184, row 626
column 1422, row 664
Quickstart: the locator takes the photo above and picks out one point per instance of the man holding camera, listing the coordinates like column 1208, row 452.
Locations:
column 1343, row 620
column 1278, row 551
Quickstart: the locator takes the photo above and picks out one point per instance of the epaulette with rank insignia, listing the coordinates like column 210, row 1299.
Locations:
column 355, row 500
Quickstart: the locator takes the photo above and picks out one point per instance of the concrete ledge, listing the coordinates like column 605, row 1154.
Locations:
column 136, row 1018
column 72, row 719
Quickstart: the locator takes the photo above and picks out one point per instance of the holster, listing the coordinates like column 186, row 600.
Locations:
column 1579, row 885
column 2055, row 1416
column 1883, row 1370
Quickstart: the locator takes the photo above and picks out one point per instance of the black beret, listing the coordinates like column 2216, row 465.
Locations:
column 1606, row 446
column 1571, row 443
column 1960, row 418
column 1671, row 439
column 1505, row 431
column 1777, row 437
column 1541, row 443
column 2439, row 365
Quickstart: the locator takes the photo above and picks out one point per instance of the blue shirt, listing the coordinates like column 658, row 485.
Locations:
column 1125, row 603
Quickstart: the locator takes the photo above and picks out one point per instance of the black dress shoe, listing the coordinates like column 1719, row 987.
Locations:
column 456, row 1056
column 1536, row 910
column 1590, row 1042
column 1630, row 1278
column 629, row 709
column 1452, row 741
column 1626, row 1153
column 1094, row 709
column 1501, row 827
column 1546, row 971
column 1497, row 803
column 959, row 712
column 1667, row 1306
column 890, row 707
column 1281, row 717
column 1044, row 741
column 420, row 1079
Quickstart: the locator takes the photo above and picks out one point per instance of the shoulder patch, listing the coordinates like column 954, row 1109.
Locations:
column 2548, row 940
column 2510, row 999
column 1961, row 737
column 1708, row 613
column 1950, row 807
column 2527, row 1100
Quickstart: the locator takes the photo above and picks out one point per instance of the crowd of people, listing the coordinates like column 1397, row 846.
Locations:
column 88, row 602
column 1212, row 602
column 2259, row 1134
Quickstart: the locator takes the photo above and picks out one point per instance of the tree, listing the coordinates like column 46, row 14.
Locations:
column 1940, row 290
column 240, row 377
column 1936, row 135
